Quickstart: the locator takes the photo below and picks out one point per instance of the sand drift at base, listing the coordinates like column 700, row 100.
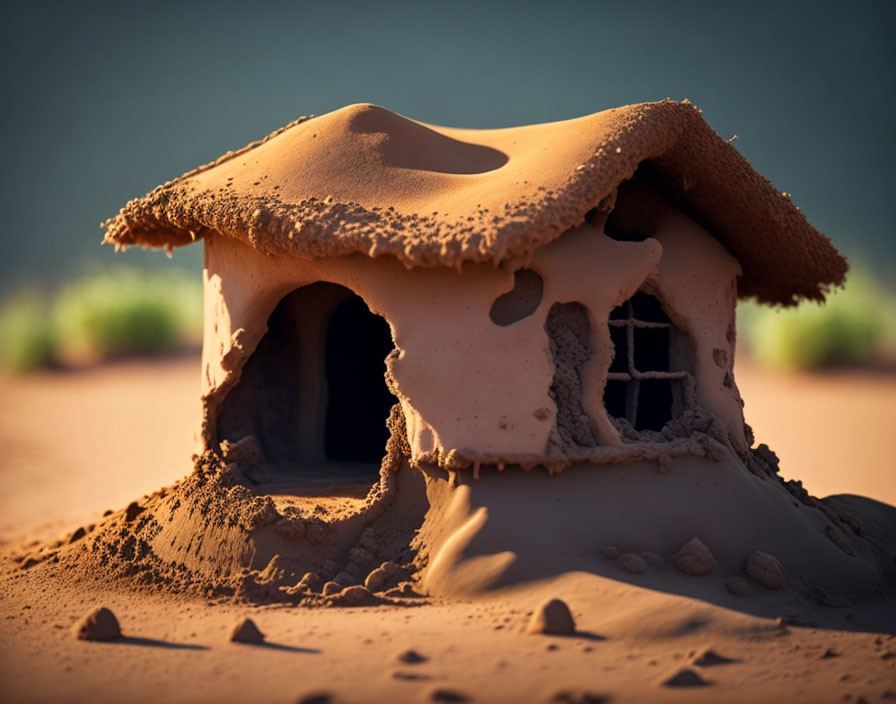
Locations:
column 422, row 533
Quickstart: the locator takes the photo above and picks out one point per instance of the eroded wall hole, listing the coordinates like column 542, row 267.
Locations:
column 521, row 301
column 569, row 333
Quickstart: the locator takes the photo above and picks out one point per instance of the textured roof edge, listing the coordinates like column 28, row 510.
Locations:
column 783, row 257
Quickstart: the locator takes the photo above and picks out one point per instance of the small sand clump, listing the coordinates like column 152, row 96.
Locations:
column 410, row 657
column 568, row 696
column 377, row 580
column 695, row 559
column 331, row 588
column 739, row 587
column 766, row 570
column 132, row 511
column 685, row 678
column 355, row 595
column 710, row 658
column 444, row 694
column 99, row 624
column 654, row 561
column 633, row 563
column 610, row 552
column 311, row 583
column 245, row 451
column 404, row 589
column 383, row 577
column 246, row 632
column 316, row 698
column 552, row 617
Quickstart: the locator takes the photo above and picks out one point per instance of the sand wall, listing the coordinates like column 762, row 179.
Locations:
column 473, row 391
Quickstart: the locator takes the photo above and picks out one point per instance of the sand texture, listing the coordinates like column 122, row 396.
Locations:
column 654, row 634
column 364, row 180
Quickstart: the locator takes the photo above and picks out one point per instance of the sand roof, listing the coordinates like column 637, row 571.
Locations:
column 363, row 179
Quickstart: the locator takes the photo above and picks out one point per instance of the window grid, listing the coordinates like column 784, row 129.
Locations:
column 633, row 375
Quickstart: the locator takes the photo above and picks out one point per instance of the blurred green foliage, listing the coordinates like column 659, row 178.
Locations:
column 856, row 326
column 27, row 337
column 102, row 315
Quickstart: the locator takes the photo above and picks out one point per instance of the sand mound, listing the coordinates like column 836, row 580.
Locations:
column 246, row 632
column 552, row 617
column 430, row 531
column 98, row 624
column 695, row 559
column 685, row 678
column 765, row 570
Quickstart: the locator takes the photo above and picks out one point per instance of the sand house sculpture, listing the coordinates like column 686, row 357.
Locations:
column 470, row 357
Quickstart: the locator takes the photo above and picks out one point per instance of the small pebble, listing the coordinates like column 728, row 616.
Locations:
column 685, row 678
column 410, row 657
column 633, row 563
column 710, row 658
column 316, row 698
column 311, row 582
column 99, row 624
column 443, row 694
column 695, row 559
column 739, row 587
column 376, row 580
column 655, row 562
column 552, row 617
column 246, row 632
column 766, row 570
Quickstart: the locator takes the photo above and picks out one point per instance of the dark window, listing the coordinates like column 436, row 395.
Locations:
column 649, row 382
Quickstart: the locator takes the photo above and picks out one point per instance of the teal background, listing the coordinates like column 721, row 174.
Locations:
column 102, row 101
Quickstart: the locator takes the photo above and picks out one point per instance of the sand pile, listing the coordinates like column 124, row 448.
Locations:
column 709, row 529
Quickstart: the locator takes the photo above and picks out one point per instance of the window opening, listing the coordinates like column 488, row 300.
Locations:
column 649, row 381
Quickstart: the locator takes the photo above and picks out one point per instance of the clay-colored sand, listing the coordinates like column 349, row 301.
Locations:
column 75, row 444
column 833, row 431
column 633, row 634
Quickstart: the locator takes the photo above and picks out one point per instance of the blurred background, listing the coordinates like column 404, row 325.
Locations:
column 102, row 101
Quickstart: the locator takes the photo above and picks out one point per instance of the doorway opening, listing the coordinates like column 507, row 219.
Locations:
column 358, row 400
column 313, row 397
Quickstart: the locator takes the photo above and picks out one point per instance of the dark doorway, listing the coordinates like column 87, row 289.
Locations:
column 358, row 400
column 313, row 394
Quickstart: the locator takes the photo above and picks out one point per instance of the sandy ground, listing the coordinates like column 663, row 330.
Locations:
column 833, row 431
column 75, row 444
